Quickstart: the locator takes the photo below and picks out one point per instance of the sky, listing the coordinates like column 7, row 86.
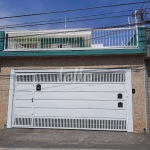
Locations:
column 20, row 7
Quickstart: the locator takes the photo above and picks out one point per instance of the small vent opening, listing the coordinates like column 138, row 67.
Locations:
column 80, row 77
column 94, row 124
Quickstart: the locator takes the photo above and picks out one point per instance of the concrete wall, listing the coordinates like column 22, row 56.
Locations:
column 136, row 63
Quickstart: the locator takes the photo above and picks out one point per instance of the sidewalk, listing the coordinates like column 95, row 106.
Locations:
column 72, row 139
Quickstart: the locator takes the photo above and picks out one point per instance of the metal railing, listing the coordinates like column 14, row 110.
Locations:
column 72, row 39
column 121, row 37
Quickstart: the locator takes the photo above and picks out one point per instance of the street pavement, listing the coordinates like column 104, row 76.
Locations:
column 26, row 139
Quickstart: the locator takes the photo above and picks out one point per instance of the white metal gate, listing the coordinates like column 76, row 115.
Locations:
column 91, row 99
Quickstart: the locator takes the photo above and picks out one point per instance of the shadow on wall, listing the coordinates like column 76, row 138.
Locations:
column 148, row 68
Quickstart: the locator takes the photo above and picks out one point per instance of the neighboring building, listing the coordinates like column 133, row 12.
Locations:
column 147, row 78
column 73, row 79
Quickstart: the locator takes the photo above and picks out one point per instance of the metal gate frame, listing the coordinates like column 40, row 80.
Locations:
column 128, row 86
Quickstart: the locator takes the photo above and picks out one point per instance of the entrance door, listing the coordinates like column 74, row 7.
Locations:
column 23, row 101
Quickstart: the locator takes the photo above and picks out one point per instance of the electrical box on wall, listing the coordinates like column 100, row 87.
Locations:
column 133, row 91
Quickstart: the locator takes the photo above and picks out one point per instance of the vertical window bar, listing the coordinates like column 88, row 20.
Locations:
column 94, row 37
column 127, row 36
column 48, row 122
column 109, row 77
column 119, row 37
column 115, row 37
column 20, row 43
column 97, row 37
column 106, row 38
column 28, row 121
column 75, row 123
column 54, row 41
column 25, row 123
column 115, row 77
column 109, row 35
column 133, row 37
column 130, row 37
column 124, row 38
column 48, row 41
column 121, row 77
column 21, row 121
column 37, row 122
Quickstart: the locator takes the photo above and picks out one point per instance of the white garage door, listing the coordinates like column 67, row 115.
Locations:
column 91, row 99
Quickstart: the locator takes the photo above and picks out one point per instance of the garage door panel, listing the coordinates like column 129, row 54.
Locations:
column 23, row 103
column 78, row 104
column 91, row 113
column 83, row 87
column 82, row 100
column 78, row 95
column 23, row 111
column 24, row 87
column 24, row 95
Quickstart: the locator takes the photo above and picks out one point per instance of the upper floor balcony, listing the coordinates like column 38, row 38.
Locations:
column 71, row 41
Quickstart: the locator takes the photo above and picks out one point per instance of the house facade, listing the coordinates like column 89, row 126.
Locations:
column 91, row 79
column 147, row 78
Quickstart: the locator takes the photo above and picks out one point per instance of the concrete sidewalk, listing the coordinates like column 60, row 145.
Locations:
column 72, row 139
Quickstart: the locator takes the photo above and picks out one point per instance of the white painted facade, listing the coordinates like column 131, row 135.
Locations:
column 71, row 99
